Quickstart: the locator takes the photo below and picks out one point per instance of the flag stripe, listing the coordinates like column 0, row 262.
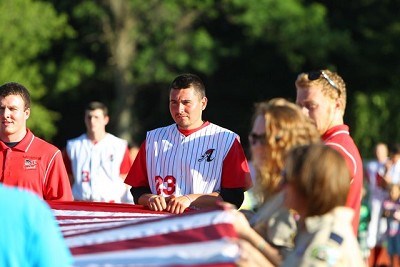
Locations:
column 110, row 234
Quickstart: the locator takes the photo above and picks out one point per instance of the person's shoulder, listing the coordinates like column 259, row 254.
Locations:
column 163, row 128
column 115, row 139
column 219, row 128
column 79, row 138
column 44, row 145
column 333, row 237
column 19, row 197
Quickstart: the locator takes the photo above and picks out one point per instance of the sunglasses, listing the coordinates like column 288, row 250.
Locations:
column 315, row 75
column 257, row 138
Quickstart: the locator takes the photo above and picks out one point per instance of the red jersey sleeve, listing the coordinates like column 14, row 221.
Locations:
column 137, row 175
column 57, row 186
column 235, row 169
column 126, row 163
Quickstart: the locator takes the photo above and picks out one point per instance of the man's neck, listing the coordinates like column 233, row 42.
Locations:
column 16, row 137
column 96, row 137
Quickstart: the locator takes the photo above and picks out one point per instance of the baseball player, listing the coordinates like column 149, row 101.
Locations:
column 97, row 161
column 27, row 161
column 191, row 162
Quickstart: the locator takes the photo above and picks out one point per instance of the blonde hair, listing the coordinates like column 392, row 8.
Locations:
column 319, row 174
column 328, row 89
column 285, row 127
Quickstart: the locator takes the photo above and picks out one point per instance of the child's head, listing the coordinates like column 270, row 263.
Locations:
column 394, row 192
column 317, row 179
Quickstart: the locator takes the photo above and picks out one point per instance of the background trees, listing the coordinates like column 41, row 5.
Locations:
column 125, row 52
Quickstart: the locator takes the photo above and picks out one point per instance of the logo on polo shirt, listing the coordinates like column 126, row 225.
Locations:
column 30, row 164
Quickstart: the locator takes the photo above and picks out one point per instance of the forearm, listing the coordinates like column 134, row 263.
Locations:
column 137, row 193
column 251, row 256
column 271, row 253
column 204, row 200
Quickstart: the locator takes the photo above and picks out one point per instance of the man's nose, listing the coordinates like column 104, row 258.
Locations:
column 6, row 112
column 181, row 108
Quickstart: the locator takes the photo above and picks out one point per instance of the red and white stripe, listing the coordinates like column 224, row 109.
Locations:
column 110, row 234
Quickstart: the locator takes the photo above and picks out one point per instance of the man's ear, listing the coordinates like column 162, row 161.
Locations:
column 339, row 106
column 27, row 113
column 204, row 102
column 107, row 120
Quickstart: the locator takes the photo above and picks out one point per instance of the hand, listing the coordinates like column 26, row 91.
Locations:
column 178, row 205
column 240, row 222
column 157, row 203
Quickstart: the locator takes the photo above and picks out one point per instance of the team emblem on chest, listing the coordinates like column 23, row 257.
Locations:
column 208, row 155
column 30, row 164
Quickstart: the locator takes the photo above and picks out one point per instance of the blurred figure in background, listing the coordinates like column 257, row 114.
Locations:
column 375, row 170
column 97, row 161
column 391, row 211
column 278, row 126
column 365, row 216
column 317, row 186
column 322, row 96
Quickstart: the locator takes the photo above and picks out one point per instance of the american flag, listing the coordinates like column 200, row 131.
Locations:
column 111, row 234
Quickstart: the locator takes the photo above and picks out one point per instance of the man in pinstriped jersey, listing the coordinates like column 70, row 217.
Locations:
column 191, row 163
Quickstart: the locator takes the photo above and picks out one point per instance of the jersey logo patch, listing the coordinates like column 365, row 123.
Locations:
column 207, row 155
column 30, row 164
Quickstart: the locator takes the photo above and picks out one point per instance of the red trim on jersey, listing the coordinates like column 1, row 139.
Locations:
column 137, row 175
column 189, row 132
column 339, row 139
column 126, row 163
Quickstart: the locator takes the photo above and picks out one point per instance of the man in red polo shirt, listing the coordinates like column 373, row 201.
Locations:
column 322, row 96
column 27, row 161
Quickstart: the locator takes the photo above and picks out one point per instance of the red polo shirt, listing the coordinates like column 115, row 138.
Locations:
column 339, row 138
column 35, row 165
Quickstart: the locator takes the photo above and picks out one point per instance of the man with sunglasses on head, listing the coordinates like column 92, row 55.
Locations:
column 322, row 96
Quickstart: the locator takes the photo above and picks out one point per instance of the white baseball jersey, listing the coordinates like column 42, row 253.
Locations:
column 179, row 165
column 96, row 168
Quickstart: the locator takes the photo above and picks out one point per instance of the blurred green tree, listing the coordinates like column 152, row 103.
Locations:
column 27, row 30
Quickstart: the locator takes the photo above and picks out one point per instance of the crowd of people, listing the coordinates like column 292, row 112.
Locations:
column 303, row 198
column 379, row 234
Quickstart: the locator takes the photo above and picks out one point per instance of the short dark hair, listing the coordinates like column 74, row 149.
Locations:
column 187, row 80
column 394, row 149
column 97, row 105
column 13, row 88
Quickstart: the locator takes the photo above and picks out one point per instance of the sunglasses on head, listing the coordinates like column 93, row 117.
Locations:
column 315, row 75
column 257, row 138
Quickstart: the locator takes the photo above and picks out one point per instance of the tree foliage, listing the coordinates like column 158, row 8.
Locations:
column 125, row 52
column 27, row 30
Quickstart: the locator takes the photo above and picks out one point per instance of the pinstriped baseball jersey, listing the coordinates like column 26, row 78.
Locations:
column 96, row 167
column 179, row 164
